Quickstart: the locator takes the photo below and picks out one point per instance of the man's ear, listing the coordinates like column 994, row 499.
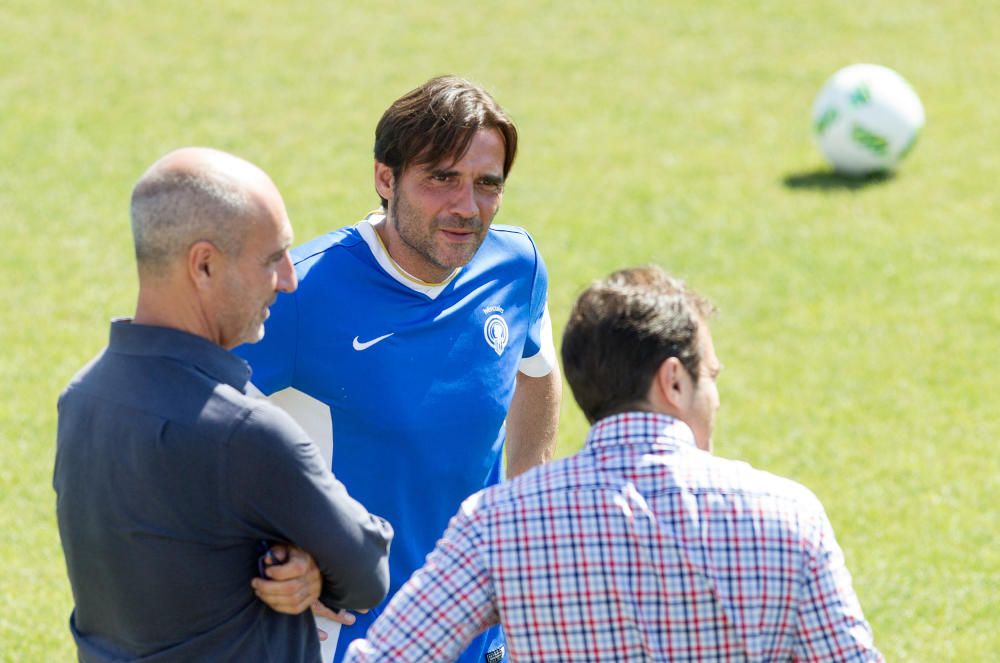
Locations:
column 203, row 263
column 385, row 181
column 671, row 384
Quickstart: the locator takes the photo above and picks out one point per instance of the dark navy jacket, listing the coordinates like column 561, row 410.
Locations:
column 167, row 476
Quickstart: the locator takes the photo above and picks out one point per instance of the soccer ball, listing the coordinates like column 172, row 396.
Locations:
column 866, row 118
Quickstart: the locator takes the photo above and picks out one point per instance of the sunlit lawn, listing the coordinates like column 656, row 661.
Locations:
column 859, row 324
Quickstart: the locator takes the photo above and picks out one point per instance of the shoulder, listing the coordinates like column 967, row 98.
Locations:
column 767, row 492
column 513, row 238
column 89, row 373
column 507, row 247
column 269, row 463
column 307, row 255
column 260, row 422
column 255, row 426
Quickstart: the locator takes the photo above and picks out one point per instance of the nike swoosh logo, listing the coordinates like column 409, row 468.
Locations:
column 359, row 346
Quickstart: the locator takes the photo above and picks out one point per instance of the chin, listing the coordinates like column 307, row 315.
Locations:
column 461, row 260
column 253, row 336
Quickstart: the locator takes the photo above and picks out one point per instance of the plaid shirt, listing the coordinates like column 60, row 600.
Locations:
column 639, row 548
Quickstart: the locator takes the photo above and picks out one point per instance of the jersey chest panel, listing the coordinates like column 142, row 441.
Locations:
column 391, row 361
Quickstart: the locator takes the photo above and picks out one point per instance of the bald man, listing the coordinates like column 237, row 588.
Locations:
column 169, row 478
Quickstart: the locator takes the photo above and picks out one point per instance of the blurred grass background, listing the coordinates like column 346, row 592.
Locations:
column 859, row 324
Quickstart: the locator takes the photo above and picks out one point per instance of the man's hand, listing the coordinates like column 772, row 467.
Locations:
column 293, row 583
column 340, row 616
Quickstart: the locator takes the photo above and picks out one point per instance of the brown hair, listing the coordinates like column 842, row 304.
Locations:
column 621, row 329
column 438, row 120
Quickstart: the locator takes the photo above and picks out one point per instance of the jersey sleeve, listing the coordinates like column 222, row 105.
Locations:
column 272, row 359
column 280, row 488
column 539, row 356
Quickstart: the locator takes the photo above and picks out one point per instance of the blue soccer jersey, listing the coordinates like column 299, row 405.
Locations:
column 413, row 379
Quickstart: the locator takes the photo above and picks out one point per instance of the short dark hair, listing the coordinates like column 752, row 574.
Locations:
column 621, row 329
column 438, row 120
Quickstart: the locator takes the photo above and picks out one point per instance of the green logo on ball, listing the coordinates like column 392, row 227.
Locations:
column 868, row 140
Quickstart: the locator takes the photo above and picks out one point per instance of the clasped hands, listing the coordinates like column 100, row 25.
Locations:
column 293, row 585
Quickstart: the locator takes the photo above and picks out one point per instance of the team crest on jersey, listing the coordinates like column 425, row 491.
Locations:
column 495, row 329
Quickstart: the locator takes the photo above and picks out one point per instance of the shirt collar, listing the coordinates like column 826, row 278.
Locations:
column 130, row 338
column 639, row 428
column 366, row 227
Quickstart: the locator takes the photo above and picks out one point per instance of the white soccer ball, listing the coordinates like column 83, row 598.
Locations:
column 866, row 118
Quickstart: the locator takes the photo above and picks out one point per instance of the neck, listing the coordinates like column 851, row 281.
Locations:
column 161, row 306
column 401, row 254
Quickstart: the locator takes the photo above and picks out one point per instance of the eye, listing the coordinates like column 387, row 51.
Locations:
column 492, row 185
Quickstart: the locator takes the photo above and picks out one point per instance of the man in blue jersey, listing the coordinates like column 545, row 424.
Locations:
column 419, row 339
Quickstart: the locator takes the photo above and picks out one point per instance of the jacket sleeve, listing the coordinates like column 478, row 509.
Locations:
column 281, row 489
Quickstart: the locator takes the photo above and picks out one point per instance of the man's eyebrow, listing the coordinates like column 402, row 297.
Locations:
column 451, row 172
column 279, row 253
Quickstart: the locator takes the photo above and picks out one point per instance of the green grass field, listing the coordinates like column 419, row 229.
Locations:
column 859, row 325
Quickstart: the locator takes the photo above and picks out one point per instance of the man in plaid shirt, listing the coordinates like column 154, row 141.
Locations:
column 644, row 546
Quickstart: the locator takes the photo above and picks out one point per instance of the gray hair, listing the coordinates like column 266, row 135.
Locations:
column 172, row 210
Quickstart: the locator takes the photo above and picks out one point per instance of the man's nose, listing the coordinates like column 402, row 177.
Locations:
column 287, row 279
column 463, row 203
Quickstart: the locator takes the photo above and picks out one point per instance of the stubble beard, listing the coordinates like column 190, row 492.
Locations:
column 259, row 328
column 249, row 326
column 409, row 227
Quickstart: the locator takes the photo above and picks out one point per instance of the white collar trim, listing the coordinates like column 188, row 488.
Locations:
column 366, row 227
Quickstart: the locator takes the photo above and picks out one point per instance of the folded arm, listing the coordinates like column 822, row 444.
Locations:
column 280, row 485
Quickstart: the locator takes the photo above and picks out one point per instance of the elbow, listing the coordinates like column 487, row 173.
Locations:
column 366, row 584
column 378, row 585
column 362, row 589
column 373, row 592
